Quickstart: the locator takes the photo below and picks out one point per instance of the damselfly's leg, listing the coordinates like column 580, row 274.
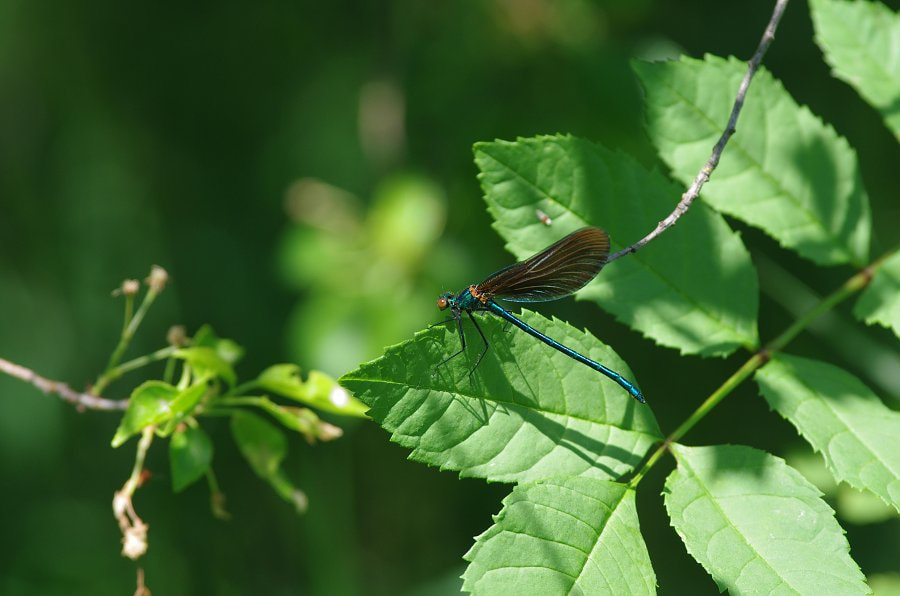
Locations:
column 462, row 341
column 445, row 321
column 483, row 338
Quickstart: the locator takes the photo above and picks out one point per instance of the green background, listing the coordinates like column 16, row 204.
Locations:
column 176, row 134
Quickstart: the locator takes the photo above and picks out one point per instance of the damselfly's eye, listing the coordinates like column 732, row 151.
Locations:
column 443, row 303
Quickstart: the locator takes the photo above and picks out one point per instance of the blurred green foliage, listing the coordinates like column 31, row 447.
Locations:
column 184, row 135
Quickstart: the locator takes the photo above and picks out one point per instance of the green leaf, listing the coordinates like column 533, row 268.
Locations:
column 301, row 420
column 185, row 402
column 207, row 360
column 694, row 288
column 183, row 405
column 784, row 171
column 841, row 418
column 228, row 350
column 260, row 442
column 264, row 446
column 880, row 302
column 756, row 525
column 319, row 390
column 527, row 413
column 149, row 404
column 563, row 536
column 861, row 43
column 190, row 455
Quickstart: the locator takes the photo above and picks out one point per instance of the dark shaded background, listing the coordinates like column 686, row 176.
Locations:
column 273, row 157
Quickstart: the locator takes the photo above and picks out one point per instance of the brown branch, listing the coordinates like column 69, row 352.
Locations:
column 82, row 401
column 706, row 171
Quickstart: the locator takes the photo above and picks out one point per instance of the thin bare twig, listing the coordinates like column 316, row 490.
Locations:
column 142, row 589
column 706, row 171
column 134, row 529
column 82, row 401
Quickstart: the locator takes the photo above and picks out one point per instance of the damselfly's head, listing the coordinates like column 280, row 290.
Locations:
column 445, row 300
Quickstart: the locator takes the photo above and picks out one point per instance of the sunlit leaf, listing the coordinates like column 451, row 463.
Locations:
column 693, row 289
column 858, row 436
column 207, row 360
column 228, row 350
column 784, row 171
column 301, row 420
column 563, row 536
column 319, row 390
column 185, row 402
column 880, row 302
column 527, row 413
column 756, row 525
column 861, row 42
column 149, row 404
column 190, row 455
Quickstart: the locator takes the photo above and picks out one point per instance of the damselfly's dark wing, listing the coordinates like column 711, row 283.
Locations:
column 558, row 270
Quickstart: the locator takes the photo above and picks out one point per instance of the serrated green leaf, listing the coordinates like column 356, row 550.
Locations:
column 319, row 390
column 858, row 436
column 861, row 43
column 149, row 404
column 527, row 413
column 756, row 525
column 693, row 289
column 190, row 455
column 880, row 302
column 264, row 446
column 207, row 360
column 563, row 536
column 784, row 171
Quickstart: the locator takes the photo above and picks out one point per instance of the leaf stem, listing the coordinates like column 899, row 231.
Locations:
column 129, row 311
column 169, row 373
column 156, row 283
column 239, row 401
column 242, row 388
column 114, row 373
column 850, row 287
column 129, row 330
column 216, row 496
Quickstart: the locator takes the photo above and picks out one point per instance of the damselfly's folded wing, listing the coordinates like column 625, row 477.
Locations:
column 557, row 271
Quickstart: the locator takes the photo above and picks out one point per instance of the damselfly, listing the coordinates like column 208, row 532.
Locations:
column 557, row 271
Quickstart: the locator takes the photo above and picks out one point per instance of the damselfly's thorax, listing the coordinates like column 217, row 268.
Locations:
column 480, row 296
